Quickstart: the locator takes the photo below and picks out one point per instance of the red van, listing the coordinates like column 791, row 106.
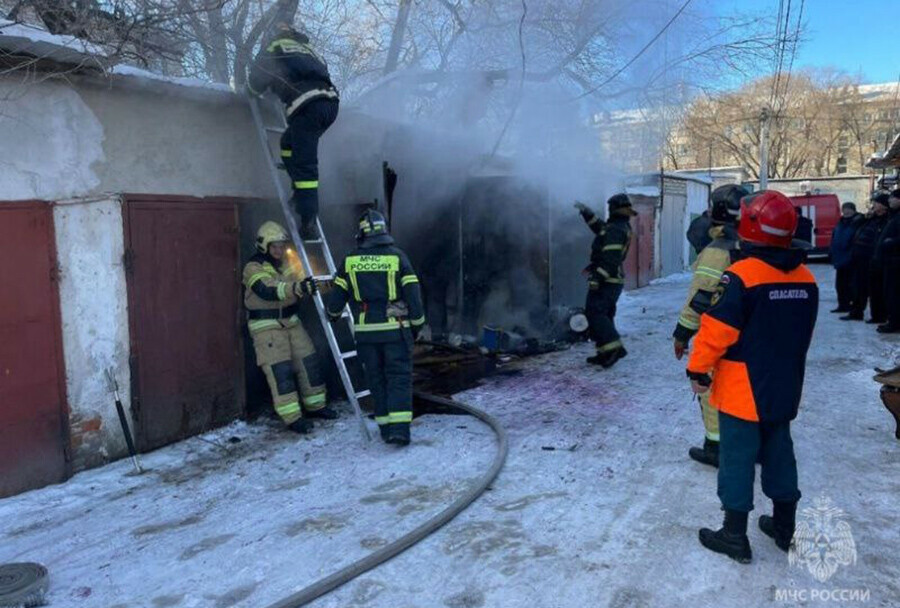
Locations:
column 825, row 212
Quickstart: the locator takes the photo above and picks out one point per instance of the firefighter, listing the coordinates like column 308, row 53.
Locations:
column 725, row 209
column 887, row 259
column 284, row 351
column 750, row 353
column 289, row 66
column 383, row 290
column 606, row 276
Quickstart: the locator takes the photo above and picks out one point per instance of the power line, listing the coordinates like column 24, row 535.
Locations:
column 636, row 57
column 795, row 42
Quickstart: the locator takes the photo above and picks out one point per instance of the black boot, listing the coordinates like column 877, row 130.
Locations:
column 731, row 539
column 325, row 413
column 309, row 231
column 708, row 454
column 840, row 309
column 853, row 316
column 888, row 328
column 875, row 321
column 608, row 359
column 396, row 434
column 302, row 426
column 780, row 526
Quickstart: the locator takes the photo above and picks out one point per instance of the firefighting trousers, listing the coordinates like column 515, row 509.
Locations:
column 741, row 445
column 300, row 152
column 388, row 369
column 600, row 310
column 292, row 368
column 710, row 416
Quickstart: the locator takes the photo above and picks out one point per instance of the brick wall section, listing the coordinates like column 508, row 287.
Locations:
column 88, row 448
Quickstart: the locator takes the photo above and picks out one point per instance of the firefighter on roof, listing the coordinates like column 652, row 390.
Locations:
column 272, row 290
column 291, row 68
column 725, row 209
column 606, row 276
column 383, row 291
column 750, row 353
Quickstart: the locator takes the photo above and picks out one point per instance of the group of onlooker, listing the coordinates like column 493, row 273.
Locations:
column 865, row 251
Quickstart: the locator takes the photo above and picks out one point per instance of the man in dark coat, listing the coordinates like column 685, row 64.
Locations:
column 866, row 288
column 841, row 259
column 887, row 258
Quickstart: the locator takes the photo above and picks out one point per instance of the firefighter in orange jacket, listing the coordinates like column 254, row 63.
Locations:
column 753, row 343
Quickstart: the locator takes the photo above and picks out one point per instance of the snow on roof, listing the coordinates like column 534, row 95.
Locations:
column 133, row 72
column 883, row 89
column 648, row 191
column 887, row 159
column 19, row 38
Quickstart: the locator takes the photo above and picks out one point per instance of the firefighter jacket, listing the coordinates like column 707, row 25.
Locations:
column 708, row 269
column 754, row 338
column 269, row 293
column 383, row 291
column 609, row 248
column 291, row 68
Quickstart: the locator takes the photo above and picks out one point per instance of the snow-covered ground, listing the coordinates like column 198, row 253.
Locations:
column 598, row 505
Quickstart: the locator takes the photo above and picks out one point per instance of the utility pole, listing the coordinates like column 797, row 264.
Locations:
column 764, row 148
column 397, row 35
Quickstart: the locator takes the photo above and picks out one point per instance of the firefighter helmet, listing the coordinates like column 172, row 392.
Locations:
column 767, row 218
column 373, row 229
column 620, row 204
column 725, row 203
column 268, row 233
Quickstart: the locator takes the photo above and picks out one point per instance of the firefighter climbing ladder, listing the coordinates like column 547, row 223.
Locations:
column 340, row 357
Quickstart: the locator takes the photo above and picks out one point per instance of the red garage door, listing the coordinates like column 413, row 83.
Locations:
column 639, row 262
column 183, row 298
column 33, row 416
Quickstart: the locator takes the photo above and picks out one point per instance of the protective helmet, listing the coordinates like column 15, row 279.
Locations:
column 373, row 229
column 285, row 29
column 268, row 233
column 620, row 204
column 725, row 203
column 767, row 218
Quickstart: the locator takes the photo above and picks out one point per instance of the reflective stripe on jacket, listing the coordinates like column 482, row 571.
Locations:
column 610, row 247
column 372, row 279
column 269, row 287
column 755, row 338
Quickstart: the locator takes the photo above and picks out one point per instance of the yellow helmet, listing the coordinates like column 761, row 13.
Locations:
column 268, row 233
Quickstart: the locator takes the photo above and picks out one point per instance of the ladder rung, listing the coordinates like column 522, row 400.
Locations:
column 275, row 129
column 323, row 277
column 349, row 354
column 345, row 314
column 362, row 394
column 314, row 241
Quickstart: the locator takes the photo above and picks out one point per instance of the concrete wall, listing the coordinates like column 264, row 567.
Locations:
column 81, row 138
column 89, row 242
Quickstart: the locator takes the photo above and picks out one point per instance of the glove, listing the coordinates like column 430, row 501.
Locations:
column 581, row 207
column 700, row 383
column 680, row 347
column 306, row 287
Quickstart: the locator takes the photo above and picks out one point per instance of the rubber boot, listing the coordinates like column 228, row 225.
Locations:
column 326, row 413
column 731, row 539
column 302, row 426
column 607, row 360
column 780, row 526
column 397, row 434
column 708, row 454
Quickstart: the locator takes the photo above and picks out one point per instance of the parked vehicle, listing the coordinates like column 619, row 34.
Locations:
column 825, row 211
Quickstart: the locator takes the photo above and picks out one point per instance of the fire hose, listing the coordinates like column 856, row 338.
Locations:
column 389, row 551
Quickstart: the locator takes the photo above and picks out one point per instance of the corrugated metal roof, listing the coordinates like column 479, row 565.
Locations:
column 889, row 159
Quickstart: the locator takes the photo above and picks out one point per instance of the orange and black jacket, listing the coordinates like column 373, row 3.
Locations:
column 755, row 337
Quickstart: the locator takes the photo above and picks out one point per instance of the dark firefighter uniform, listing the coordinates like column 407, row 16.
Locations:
column 383, row 291
column 289, row 66
column 713, row 259
column 753, row 342
column 606, row 276
column 887, row 259
column 284, row 351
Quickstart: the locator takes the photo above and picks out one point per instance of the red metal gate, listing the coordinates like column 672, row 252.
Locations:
column 183, row 298
column 639, row 261
column 33, row 411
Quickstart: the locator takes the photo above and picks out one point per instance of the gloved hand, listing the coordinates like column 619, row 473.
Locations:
column 306, row 287
column 680, row 348
column 700, row 383
column 581, row 207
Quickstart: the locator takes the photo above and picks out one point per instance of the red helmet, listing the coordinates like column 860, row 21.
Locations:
column 767, row 218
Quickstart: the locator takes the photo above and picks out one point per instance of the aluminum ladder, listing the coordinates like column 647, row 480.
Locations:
column 284, row 195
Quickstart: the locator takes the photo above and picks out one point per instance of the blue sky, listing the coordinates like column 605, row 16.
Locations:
column 856, row 36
